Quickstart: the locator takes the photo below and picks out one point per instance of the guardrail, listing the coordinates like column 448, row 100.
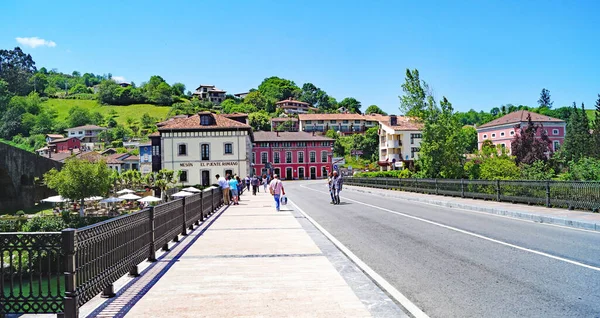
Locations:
column 58, row 272
column 582, row 195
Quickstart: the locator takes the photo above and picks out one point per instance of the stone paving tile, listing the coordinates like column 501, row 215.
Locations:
column 258, row 221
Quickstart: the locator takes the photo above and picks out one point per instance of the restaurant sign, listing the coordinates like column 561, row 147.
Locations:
column 210, row 164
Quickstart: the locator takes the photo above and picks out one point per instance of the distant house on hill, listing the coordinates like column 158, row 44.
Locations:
column 502, row 131
column 210, row 93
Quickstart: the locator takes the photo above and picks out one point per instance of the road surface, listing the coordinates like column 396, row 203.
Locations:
column 458, row 263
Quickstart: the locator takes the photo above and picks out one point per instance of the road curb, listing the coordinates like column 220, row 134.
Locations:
column 498, row 211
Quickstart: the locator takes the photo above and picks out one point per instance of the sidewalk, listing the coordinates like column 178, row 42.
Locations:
column 576, row 219
column 251, row 261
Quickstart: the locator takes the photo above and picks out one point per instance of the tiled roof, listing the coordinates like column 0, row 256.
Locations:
column 262, row 136
column 55, row 141
column 55, row 136
column 343, row 117
column 116, row 158
column 60, row 156
column 235, row 115
column 154, row 134
column 88, row 127
column 405, row 123
column 132, row 158
column 92, row 156
column 193, row 123
column 520, row 116
column 284, row 119
column 292, row 101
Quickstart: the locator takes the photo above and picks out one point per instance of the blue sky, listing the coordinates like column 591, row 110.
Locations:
column 480, row 54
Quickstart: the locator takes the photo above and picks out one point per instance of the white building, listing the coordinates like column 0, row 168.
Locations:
column 210, row 93
column 87, row 133
column 290, row 106
column 204, row 145
column 399, row 142
column 342, row 123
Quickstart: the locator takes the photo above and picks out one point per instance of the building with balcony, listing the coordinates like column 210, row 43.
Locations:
column 342, row 123
column 202, row 146
column 503, row 130
column 210, row 93
column 87, row 133
column 284, row 124
column 290, row 106
column 399, row 142
column 292, row 155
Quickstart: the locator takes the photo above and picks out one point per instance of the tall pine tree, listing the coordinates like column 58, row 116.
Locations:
column 596, row 130
column 545, row 101
column 577, row 140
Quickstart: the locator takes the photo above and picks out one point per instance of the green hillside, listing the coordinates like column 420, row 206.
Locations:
column 135, row 111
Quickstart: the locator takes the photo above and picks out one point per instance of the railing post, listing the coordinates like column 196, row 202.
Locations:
column 183, row 225
column 436, row 186
column 108, row 292
column 212, row 200
column 71, row 300
column 498, row 190
column 462, row 188
column 152, row 249
column 201, row 208
column 547, row 194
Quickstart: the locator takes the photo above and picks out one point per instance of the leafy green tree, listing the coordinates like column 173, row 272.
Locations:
column 257, row 99
column 260, row 120
column 413, row 103
column 275, row 89
column 374, row 109
column 108, row 92
column 492, row 163
column 79, row 89
column 120, row 132
column 584, row 169
column 539, row 170
column 79, row 179
column 178, row 89
column 79, row 116
column 578, row 141
column 45, row 122
column 28, row 122
column 545, row 101
column 161, row 95
column 5, row 97
column 351, row 104
column 16, row 68
column 229, row 106
column 39, row 82
column 314, row 96
column 147, row 121
column 469, row 138
column 528, row 147
column 96, row 118
column 10, row 125
column 596, row 130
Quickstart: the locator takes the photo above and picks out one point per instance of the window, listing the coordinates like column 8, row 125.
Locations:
column 323, row 156
column 155, row 150
column 555, row 132
column 313, row 156
column 414, row 150
column 357, row 121
column 503, row 146
column 484, row 136
column 228, row 148
column 512, row 133
column 502, row 134
column 325, row 143
column 344, row 121
column 205, row 120
column 416, row 136
column 182, row 149
column 276, row 157
column 264, row 144
column 253, row 157
column 205, row 152
column 321, row 122
column 309, row 121
column 286, row 144
column 556, row 145
column 275, row 144
column 493, row 135
column 263, row 158
column 301, row 157
column 301, row 144
column 332, row 121
column 184, row 176
column 288, row 157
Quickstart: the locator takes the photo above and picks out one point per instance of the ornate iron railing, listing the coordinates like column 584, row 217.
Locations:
column 583, row 195
column 59, row 272
column 31, row 277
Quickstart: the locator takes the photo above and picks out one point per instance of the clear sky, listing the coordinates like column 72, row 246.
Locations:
column 480, row 54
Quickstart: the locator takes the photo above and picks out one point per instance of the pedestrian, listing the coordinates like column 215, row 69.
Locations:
column 255, row 184
column 277, row 190
column 240, row 187
column 330, row 185
column 247, row 180
column 224, row 187
column 233, row 188
column 337, row 184
column 265, row 182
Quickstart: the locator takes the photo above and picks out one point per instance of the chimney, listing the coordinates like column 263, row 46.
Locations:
column 278, row 133
column 313, row 132
column 393, row 120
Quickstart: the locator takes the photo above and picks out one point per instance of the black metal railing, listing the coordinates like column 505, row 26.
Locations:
column 582, row 195
column 59, row 272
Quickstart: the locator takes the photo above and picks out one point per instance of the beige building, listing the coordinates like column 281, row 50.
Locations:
column 290, row 106
column 210, row 93
column 204, row 145
column 399, row 142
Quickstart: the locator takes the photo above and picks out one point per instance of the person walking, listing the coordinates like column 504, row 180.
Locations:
column 265, row 182
column 233, row 188
column 330, row 185
column 255, row 184
column 247, row 180
column 277, row 190
column 224, row 185
column 337, row 184
column 240, row 187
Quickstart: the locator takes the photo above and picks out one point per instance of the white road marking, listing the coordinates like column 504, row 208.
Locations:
column 558, row 258
column 405, row 302
column 477, row 212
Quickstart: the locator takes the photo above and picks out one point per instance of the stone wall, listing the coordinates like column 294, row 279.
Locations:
column 18, row 170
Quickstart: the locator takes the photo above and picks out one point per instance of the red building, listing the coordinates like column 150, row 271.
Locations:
column 64, row 144
column 292, row 155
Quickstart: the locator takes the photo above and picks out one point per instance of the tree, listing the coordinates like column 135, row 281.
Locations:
column 351, row 104
column 257, row 99
column 374, row 109
column 314, row 96
column 79, row 179
column 527, row 147
column 79, row 89
column 469, row 138
column 413, row 103
column 178, row 89
column 45, row 122
column 79, row 116
column 16, row 68
column 161, row 95
column 260, row 120
column 545, row 101
column 39, row 82
column 578, row 141
column 495, row 111
column 276, row 89
column 11, row 122
column 147, row 121
column 596, row 129
column 5, row 97
column 492, row 163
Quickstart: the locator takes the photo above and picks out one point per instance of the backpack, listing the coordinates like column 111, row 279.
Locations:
column 283, row 200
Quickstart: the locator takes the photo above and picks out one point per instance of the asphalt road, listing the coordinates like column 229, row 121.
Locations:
column 457, row 263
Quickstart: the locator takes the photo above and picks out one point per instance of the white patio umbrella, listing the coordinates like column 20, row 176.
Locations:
column 125, row 191
column 111, row 200
column 55, row 199
column 181, row 194
column 130, row 196
column 191, row 189
column 93, row 199
column 149, row 199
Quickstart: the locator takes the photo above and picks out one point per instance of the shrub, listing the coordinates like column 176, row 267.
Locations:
column 44, row 224
column 386, row 174
column 20, row 213
column 539, row 170
column 116, row 144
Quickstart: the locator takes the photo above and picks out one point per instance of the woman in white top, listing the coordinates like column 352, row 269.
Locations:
column 264, row 182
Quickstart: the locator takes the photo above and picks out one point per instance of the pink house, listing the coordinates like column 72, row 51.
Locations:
column 501, row 131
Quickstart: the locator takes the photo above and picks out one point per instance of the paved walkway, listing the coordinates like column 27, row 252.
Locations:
column 570, row 218
column 250, row 261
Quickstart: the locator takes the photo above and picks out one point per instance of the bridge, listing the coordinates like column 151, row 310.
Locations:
column 18, row 172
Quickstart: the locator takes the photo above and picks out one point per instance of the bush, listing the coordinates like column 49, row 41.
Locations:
column 585, row 169
column 539, row 170
column 44, row 224
column 385, row 174
column 20, row 213
column 116, row 144
column 82, row 96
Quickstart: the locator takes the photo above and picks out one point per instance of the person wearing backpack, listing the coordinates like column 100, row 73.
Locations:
column 277, row 190
column 255, row 184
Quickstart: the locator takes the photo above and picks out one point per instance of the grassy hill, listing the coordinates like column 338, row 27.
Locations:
column 135, row 111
